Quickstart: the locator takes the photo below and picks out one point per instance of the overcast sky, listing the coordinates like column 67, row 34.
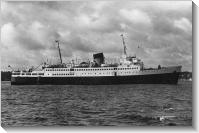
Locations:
column 162, row 30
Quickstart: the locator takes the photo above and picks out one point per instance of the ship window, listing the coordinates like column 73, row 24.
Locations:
column 34, row 73
column 15, row 73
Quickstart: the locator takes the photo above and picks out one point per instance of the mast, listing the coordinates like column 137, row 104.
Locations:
column 125, row 53
column 57, row 41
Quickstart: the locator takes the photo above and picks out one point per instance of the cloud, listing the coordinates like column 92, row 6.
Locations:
column 183, row 24
column 135, row 16
column 162, row 30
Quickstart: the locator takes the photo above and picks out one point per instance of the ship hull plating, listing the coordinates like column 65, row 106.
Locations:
column 165, row 78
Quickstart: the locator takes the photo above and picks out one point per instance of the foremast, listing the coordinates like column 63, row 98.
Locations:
column 57, row 41
column 125, row 53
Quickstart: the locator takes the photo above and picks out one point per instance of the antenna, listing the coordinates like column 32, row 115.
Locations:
column 124, row 44
column 57, row 41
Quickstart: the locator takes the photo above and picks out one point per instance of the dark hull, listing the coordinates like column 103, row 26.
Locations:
column 167, row 78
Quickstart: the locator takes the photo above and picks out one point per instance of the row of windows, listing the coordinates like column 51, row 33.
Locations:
column 92, row 73
column 63, row 74
column 91, row 69
column 127, row 68
column 127, row 72
column 81, row 73
column 28, row 74
column 57, row 69
column 95, row 73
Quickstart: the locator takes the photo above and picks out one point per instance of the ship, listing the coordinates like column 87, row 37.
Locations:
column 129, row 70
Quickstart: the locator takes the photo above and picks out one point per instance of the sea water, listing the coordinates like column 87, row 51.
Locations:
column 99, row 105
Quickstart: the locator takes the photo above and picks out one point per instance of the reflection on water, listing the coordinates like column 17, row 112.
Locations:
column 102, row 105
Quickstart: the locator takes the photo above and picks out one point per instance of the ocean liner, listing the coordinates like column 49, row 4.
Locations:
column 129, row 70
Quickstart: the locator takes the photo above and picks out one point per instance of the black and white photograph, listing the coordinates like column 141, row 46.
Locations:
column 96, row 63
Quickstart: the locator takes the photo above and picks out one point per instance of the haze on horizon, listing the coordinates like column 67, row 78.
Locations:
column 161, row 29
